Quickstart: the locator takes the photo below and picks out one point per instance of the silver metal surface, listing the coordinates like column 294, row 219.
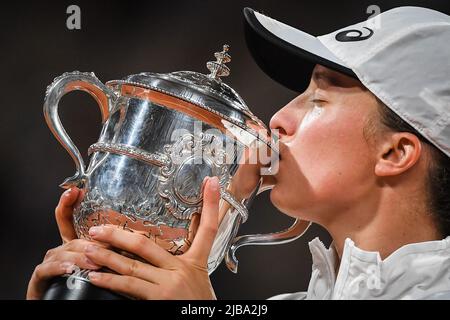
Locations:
column 218, row 68
column 132, row 152
column 146, row 170
column 66, row 83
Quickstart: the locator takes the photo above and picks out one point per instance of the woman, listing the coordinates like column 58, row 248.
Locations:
column 364, row 152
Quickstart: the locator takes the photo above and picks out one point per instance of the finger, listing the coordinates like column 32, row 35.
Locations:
column 134, row 243
column 77, row 258
column 125, row 285
column 207, row 229
column 77, row 245
column 64, row 214
column 120, row 264
column 42, row 273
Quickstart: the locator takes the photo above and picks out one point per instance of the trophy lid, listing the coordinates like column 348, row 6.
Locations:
column 207, row 91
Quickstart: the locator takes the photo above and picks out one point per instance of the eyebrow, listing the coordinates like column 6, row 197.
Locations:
column 323, row 75
column 327, row 77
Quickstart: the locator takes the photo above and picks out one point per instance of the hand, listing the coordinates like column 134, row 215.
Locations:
column 165, row 276
column 64, row 214
column 64, row 258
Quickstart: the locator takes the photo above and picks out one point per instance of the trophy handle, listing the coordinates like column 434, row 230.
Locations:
column 295, row 231
column 62, row 85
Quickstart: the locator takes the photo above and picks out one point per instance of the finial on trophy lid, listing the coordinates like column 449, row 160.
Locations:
column 218, row 68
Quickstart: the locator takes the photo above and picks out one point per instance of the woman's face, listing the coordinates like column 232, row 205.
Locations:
column 326, row 163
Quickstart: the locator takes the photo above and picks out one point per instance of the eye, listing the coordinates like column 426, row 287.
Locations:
column 318, row 102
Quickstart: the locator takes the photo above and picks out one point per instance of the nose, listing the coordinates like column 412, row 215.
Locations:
column 283, row 122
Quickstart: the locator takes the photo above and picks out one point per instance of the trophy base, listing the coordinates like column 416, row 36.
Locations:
column 81, row 290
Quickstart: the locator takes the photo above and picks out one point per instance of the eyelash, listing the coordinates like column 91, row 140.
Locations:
column 318, row 102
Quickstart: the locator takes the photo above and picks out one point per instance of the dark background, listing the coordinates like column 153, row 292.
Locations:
column 117, row 39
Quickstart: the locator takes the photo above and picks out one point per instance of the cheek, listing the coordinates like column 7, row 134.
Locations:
column 310, row 118
column 327, row 162
column 330, row 142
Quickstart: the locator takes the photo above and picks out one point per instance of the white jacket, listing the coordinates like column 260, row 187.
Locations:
column 415, row 271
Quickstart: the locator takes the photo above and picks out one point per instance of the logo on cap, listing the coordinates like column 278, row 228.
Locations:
column 349, row 35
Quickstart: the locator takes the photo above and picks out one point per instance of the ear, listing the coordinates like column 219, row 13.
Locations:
column 398, row 152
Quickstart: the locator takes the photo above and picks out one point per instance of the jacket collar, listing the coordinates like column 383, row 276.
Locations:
column 414, row 271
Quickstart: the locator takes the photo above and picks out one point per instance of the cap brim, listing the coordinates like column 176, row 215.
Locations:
column 286, row 54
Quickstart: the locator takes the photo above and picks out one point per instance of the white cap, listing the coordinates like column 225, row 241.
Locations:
column 402, row 56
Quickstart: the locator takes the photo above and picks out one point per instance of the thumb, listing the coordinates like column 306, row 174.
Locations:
column 64, row 214
column 207, row 230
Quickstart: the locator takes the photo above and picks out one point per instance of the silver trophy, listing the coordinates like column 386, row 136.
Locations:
column 162, row 134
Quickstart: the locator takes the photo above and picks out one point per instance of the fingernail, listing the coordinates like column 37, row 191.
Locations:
column 67, row 192
column 94, row 275
column 67, row 267
column 94, row 231
column 214, row 183
column 205, row 181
